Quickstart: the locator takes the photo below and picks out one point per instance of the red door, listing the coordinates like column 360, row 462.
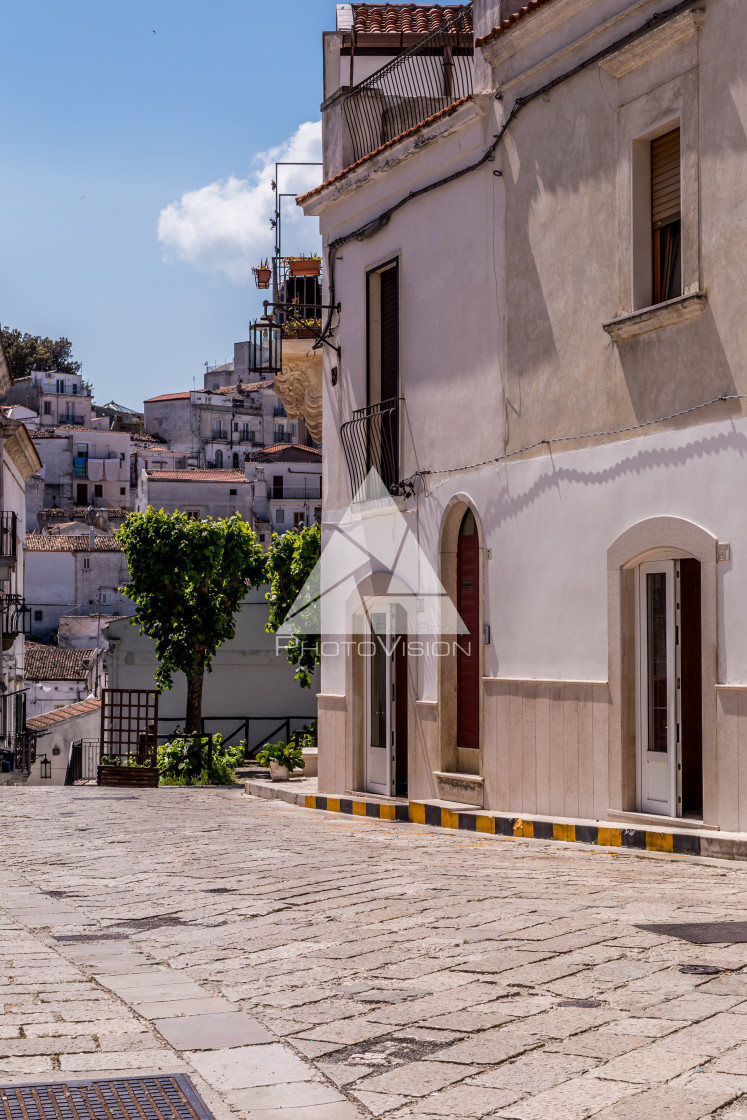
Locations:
column 468, row 661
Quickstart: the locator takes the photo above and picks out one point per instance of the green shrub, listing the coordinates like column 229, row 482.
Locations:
column 285, row 754
column 187, row 765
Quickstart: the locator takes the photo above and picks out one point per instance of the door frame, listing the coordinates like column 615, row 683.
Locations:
column 386, row 653
column 670, row 568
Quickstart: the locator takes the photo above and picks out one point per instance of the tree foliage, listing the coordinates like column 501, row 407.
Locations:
column 290, row 562
column 31, row 351
column 188, row 579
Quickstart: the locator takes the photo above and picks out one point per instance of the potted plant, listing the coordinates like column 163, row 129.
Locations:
column 281, row 758
column 262, row 274
column 305, row 266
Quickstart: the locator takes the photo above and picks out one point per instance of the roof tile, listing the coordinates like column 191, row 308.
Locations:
column 50, row 663
column 52, row 542
column 215, row 475
column 407, row 18
column 168, row 397
column 38, row 723
column 505, row 24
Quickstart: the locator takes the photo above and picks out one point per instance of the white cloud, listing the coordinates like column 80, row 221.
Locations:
column 225, row 226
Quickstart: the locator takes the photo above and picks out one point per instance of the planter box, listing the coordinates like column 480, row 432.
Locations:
column 127, row 776
column 262, row 277
column 298, row 266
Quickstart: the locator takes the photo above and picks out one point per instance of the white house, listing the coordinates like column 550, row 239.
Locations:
column 54, row 734
column 84, row 466
column 198, row 493
column 77, row 574
column 58, row 677
column 541, row 337
column 57, row 398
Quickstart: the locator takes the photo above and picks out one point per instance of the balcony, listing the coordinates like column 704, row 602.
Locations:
column 427, row 78
column 370, row 441
column 15, row 618
column 8, row 544
column 73, row 420
column 298, row 494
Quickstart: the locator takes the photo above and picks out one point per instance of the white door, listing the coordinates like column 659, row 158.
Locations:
column 380, row 704
column 657, row 688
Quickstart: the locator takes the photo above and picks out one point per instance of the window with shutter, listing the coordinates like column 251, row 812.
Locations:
column 382, row 433
column 666, row 216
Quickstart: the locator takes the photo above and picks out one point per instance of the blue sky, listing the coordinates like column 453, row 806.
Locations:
column 112, row 134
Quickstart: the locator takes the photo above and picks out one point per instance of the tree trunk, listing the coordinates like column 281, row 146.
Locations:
column 193, row 723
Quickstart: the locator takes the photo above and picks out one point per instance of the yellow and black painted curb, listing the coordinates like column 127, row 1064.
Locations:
column 604, row 836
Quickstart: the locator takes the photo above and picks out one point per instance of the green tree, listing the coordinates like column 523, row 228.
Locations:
column 30, row 351
column 290, row 562
column 188, row 579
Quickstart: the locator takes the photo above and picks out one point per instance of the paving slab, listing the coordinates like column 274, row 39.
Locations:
column 247, row 1067
column 212, row 1032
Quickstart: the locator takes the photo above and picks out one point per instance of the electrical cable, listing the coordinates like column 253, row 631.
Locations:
column 583, row 435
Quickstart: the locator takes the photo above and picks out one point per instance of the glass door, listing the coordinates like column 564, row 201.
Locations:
column 657, row 688
column 379, row 675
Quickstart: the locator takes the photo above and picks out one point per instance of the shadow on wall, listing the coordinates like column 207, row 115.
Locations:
column 506, row 505
column 675, row 368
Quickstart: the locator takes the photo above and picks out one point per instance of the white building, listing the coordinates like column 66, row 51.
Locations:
column 541, row 291
column 77, row 574
column 57, row 398
column 198, row 493
column 57, row 677
column 55, row 733
column 84, row 466
column 286, row 488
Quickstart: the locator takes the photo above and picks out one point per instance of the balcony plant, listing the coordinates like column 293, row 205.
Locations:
column 305, row 265
column 281, row 758
column 262, row 274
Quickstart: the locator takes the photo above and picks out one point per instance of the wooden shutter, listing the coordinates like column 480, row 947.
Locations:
column 665, row 178
column 389, row 334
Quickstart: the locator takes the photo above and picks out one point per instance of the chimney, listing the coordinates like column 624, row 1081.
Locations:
column 92, row 539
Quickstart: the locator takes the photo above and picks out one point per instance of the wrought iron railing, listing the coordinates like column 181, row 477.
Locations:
column 85, row 755
column 23, row 744
column 428, row 77
column 255, row 731
column 370, row 441
column 300, row 493
column 8, row 536
column 15, row 616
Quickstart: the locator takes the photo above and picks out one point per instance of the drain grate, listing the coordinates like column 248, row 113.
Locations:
column 132, row 1098
column 702, row 933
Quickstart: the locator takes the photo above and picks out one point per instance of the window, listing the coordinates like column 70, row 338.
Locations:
column 107, row 597
column 75, row 389
column 277, row 486
column 666, row 234
column 318, row 514
column 280, row 516
column 47, row 408
column 245, row 433
column 98, row 490
column 38, row 616
column 262, row 538
column 86, row 563
column 193, row 514
column 383, row 371
column 232, row 493
column 122, row 491
column 218, row 429
column 219, row 458
column 236, row 426
column 299, row 519
column 60, row 385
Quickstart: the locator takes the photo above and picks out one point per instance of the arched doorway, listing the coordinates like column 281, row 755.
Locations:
column 218, row 458
column 468, row 649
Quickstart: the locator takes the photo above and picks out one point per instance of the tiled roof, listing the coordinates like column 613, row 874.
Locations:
column 39, row 723
column 168, row 397
column 51, row 542
column 301, row 198
column 79, row 512
column 216, row 475
column 407, row 18
column 505, row 24
column 286, row 447
column 50, row 663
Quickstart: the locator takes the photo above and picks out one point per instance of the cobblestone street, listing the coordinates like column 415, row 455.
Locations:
column 298, row 964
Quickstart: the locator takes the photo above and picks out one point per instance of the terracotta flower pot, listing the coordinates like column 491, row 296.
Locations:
column 262, row 276
column 304, row 266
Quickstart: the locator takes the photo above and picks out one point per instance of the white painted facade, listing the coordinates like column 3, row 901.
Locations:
column 525, row 346
column 65, row 576
column 85, row 466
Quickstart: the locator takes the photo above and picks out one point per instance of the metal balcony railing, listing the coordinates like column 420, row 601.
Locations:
column 299, row 493
column 74, row 420
column 23, row 745
column 370, row 441
column 428, row 77
column 8, row 536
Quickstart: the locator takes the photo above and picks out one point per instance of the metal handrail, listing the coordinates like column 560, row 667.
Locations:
column 421, row 81
column 370, row 441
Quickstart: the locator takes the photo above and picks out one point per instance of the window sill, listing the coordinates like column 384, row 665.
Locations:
column 680, row 310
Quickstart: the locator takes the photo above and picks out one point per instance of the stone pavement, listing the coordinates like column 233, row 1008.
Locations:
column 305, row 966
